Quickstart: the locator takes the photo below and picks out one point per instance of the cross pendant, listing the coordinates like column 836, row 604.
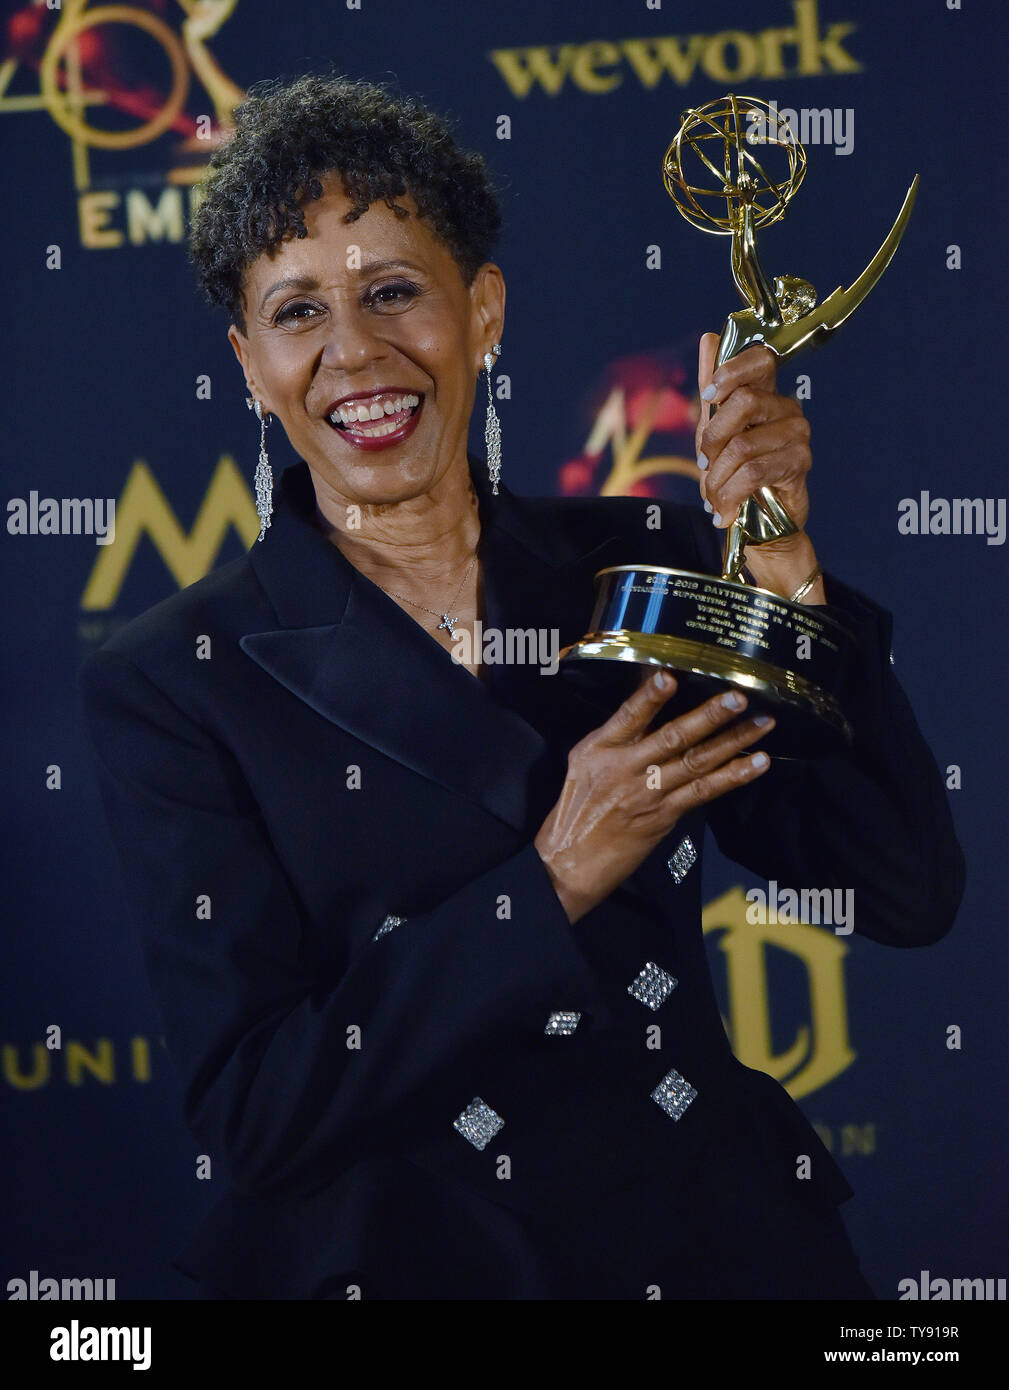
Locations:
column 448, row 622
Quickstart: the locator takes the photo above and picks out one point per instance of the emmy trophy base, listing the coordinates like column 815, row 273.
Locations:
column 787, row 658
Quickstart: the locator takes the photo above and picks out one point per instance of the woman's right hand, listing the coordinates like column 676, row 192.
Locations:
column 626, row 788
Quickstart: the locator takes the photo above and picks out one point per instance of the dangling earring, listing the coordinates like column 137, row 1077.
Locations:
column 264, row 473
column 492, row 431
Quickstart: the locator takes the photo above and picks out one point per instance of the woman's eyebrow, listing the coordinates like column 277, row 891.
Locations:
column 309, row 282
column 376, row 267
column 290, row 282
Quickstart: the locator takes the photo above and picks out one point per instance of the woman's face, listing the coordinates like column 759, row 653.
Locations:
column 368, row 316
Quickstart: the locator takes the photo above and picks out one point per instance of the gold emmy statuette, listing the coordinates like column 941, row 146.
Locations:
column 789, row 657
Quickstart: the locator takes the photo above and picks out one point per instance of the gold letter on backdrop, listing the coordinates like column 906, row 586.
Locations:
column 821, row 1049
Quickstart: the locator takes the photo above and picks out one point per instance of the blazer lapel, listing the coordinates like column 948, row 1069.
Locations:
column 351, row 654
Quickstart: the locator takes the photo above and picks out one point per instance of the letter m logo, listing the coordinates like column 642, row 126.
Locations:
column 143, row 507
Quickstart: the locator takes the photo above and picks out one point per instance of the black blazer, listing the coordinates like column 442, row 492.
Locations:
column 329, row 768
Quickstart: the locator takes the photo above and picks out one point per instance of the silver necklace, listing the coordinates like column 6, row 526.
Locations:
column 446, row 620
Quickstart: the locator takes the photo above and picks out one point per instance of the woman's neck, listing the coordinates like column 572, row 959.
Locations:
column 411, row 545
column 421, row 552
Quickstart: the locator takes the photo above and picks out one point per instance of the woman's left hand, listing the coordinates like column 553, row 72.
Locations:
column 758, row 438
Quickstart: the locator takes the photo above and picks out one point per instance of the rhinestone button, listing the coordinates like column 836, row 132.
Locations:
column 681, row 859
column 478, row 1123
column 652, row 986
column 562, row 1024
column 387, row 925
column 674, row 1093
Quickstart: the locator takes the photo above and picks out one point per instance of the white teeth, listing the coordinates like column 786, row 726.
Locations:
column 354, row 414
column 389, row 428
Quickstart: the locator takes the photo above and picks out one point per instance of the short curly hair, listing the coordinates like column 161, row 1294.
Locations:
column 289, row 133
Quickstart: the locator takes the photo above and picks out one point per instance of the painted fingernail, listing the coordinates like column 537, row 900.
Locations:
column 759, row 760
column 702, row 461
column 716, row 520
column 733, row 700
column 709, row 393
column 661, row 680
column 761, row 719
column 707, row 505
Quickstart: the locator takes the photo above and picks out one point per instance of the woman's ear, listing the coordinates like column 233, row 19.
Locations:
column 240, row 344
column 487, row 294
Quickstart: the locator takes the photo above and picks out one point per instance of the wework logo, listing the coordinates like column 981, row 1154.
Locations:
column 802, row 49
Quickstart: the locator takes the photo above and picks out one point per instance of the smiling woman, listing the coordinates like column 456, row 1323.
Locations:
column 400, row 327
column 357, row 276
column 425, row 932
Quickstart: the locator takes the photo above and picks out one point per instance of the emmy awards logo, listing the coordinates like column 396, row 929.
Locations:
column 720, row 629
column 116, row 78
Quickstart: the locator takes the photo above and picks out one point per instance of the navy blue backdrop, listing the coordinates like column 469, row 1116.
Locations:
column 121, row 384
